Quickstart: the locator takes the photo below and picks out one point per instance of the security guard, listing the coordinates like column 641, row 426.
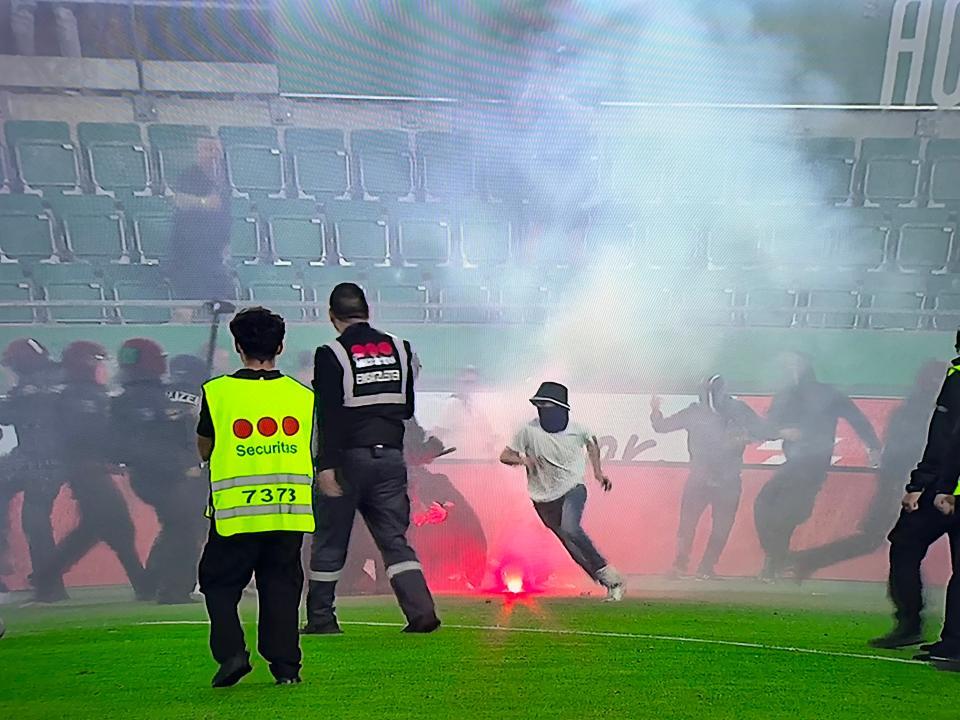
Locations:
column 153, row 447
column 29, row 407
column 364, row 386
column 83, row 437
column 255, row 430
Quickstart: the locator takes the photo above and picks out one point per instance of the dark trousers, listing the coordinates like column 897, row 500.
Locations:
column 226, row 567
column 563, row 517
column 910, row 539
column 785, row 503
column 869, row 535
column 374, row 482
column 723, row 501
column 42, row 485
column 178, row 503
column 104, row 517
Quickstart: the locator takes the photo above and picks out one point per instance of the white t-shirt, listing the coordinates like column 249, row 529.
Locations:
column 563, row 455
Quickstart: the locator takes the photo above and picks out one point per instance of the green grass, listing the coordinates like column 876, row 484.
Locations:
column 92, row 659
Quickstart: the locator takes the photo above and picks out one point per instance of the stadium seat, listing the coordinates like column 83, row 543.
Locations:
column 73, row 282
column 614, row 228
column 413, row 298
column 464, row 304
column 895, row 291
column 519, row 303
column 925, row 239
column 321, row 166
column 857, row 239
column 423, row 233
column 245, row 243
column 832, row 308
column 360, row 232
column 19, row 292
column 115, row 156
column 676, row 240
column 175, row 147
column 891, row 170
column 446, row 164
column 830, row 164
column 273, row 284
column 94, row 230
column 486, row 235
column 4, row 170
column 151, row 224
column 44, row 155
column 319, row 280
column 254, row 160
column 947, row 305
column 26, row 229
column 295, row 229
column 386, row 166
column 770, row 307
column 943, row 157
column 734, row 242
column 705, row 305
column 797, row 240
column 140, row 283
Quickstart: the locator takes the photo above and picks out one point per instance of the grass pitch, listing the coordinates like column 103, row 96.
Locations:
column 674, row 650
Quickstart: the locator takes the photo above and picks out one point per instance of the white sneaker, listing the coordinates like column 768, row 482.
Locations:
column 615, row 593
column 613, row 582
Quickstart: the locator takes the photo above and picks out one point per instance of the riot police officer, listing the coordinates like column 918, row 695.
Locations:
column 29, row 407
column 155, row 444
column 83, row 435
column 363, row 382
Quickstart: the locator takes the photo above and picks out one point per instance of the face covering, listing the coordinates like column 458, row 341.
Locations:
column 553, row 418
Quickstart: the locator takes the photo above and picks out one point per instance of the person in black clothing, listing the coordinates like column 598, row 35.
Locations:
column 363, row 382
column 200, row 241
column 84, row 437
column 29, row 407
column 156, row 449
column 719, row 428
column 805, row 415
column 903, row 445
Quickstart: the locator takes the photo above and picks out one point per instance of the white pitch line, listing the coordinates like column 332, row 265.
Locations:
column 604, row 634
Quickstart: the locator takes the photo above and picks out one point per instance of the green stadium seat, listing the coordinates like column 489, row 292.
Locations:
column 245, row 244
column 832, row 308
column 175, row 147
column 943, row 157
column 115, row 156
column 360, row 232
column 925, row 239
column 423, row 234
column 71, row 282
column 486, row 236
column 412, row 299
column 947, row 305
column 465, row 304
column 677, row 241
column 895, row 291
column 705, row 305
column 830, row 164
column 272, row 284
column 93, row 228
column 140, row 283
column 321, row 165
column 522, row 303
column 4, row 170
column 151, row 225
column 857, row 239
column 891, row 170
column 385, row 162
column 770, row 307
column 446, row 164
column 21, row 293
column 254, row 160
column 295, row 230
column 44, row 154
column 26, row 229
column 733, row 243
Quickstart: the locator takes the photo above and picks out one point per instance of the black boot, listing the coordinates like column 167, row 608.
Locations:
column 900, row 637
column 232, row 671
column 321, row 613
column 416, row 602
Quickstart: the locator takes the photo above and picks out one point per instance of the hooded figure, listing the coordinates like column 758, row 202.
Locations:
column 718, row 428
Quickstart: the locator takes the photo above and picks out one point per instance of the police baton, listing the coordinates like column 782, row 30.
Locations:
column 216, row 308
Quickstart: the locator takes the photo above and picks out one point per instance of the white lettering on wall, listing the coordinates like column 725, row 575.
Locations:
column 914, row 47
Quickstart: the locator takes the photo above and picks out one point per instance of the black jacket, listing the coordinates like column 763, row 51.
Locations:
column 150, row 428
column 30, row 407
column 940, row 465
column 338, row 427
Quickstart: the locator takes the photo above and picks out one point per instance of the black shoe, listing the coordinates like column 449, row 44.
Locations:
column 939, row 652
column 327, row 628
column 940, row 646
column 423, row 628
column 232, row 671
column 897, row 638
column 295, row 680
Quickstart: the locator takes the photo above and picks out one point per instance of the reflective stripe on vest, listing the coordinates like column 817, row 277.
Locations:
column 261, row 469
column 350, row 397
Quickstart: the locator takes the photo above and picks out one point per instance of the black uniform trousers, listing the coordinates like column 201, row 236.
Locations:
column 723, row 499
column 104, row 516
column 785, row 503
column 226, row 567
column 374, row 482
column 910, row 539
column 41, row 486
column 178, row 503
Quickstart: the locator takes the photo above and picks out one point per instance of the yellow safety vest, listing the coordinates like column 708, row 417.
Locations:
column 261, row 469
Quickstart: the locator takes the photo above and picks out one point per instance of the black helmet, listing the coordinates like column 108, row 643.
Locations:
column 713, row 392
column 188, row 369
